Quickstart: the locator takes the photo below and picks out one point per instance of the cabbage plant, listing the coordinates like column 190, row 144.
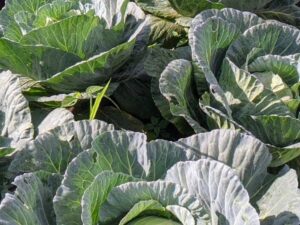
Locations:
column 251, row 70
column 18, row 125
column 218, row 177
column 182, row 11
column 68, row 45
column 170, row 19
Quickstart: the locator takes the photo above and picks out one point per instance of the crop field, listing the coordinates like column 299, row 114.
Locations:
column 150, row 112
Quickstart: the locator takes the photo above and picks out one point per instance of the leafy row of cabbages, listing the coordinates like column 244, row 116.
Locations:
column 87, row 172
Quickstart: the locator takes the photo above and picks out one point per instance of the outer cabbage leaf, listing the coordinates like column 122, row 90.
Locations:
column 23, row 9
column 269, row 38
column 163, row 31
column 95, row 70
column 285, row 67
column 160, row 8
column 15, row 118
column 261, row 125
column 53, row 150
column 175, row 85
column 192, row 8
column 66, row 40
column 31, row 203
column 55, row 118
column 16, row 127
column 247, row 95
column 36, row 62
column 233, row 149
column 277, row 202
column 242, row 20
column 92, row 200
column 285, row 11
column 218, row 188
column 161, row 58
column 113, row 12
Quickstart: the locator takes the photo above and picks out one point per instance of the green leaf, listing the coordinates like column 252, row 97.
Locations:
column 5, row 149
column 31, row 203
column 245, row 5
column 97, row 102
column 280, row 203
column 139, row 208
column 175, row 85
column 247, row 95
column 91, row 90
column 282, row 155
column 162, row 155
column 35, row 61
column 274, row 83
column 243, row 20
column 285, row 67
column 279, row 131
column 96, row 194
column 160, row 8
column 11, row 28
column 192, row 8
column 216, row 119
column 285, row 11
column 15, row 117
column 55, row 118
column 113, row 12
column 52, row 12
column 231, row 148
column 212, row 32
column 275, row 129
column 272, row 38
column 53, row 151
column 165, row 32
column 182, row 214
column 161, row 58
column 61, row 35
column 211, row 180
column 149, row 220
column 98, row 68
column 69, row 101
column 209, row 42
